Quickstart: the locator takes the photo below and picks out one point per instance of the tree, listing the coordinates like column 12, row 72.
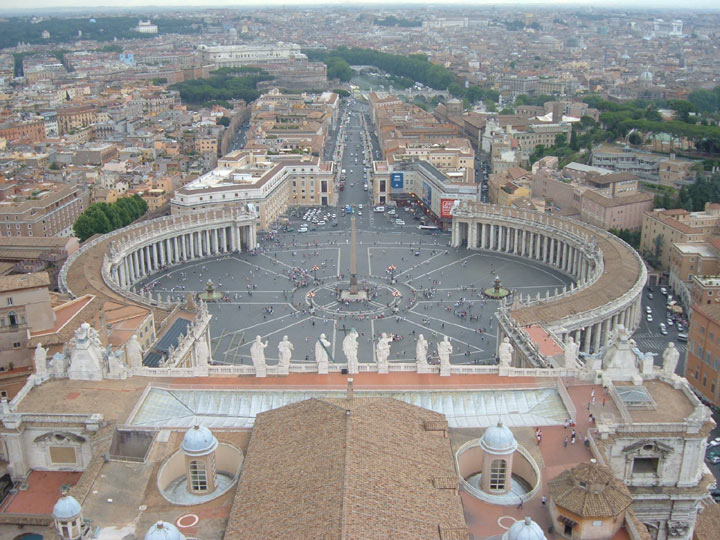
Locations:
column 658, row 242
column 223, row 121
column 635, row 139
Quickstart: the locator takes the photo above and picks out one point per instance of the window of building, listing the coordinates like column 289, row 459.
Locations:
column 704, row 383
column 16, row 345
column 645, row 465
column 497, row 475
column 3, row 394
column 198, row 476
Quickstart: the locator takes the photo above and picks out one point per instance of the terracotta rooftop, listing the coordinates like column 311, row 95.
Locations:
column 347, row 468
column 24, row 281
column 590, row 490
column 707, row 526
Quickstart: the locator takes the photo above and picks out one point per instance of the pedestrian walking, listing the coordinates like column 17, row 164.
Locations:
column 543, row 500
column 565, row 442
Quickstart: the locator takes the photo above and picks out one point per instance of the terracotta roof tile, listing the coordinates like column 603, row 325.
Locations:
column 590, row 490
column 359, row 468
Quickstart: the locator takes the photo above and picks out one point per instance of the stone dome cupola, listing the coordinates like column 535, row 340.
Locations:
column 198, row 441
column 66, row 508
column 498, row 440
column 162, row 530
column 525, row 529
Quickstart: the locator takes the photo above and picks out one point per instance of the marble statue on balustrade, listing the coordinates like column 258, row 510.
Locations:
column 382, row 353
column 571, row 353
column 322, row 355
column 202, row 355
column 58, row 365
column 350, row 348
column 670, row 359
column 421, row 349
column 445, row 349
column 134, row 352
column 116, row 367
column 285, row 350
column 621, row 358
column 505, row 352
column 257, row 353
column 40, row 361
column 86, row 355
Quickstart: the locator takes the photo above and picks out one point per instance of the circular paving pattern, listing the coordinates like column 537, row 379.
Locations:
column 415, row 285
column 375, row 299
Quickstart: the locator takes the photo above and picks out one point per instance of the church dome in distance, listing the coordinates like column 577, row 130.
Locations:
column 162, row 530
column 498, row 440
column 198, row 441
column 67, row 507
column 526, row 529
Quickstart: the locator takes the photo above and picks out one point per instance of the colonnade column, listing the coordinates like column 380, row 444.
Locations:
column 586, row 341
column 516, row 246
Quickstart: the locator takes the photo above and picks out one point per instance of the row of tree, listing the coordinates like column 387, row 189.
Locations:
column 693, row 197
column 619, row 119
column 101, row 218
column 404, row 69
column 64, row 30
column 222, row 86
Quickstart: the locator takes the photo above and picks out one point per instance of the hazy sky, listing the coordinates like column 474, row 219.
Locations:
column 89, row 5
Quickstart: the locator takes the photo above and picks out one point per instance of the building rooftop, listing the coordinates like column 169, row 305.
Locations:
column 24, row 281
column 590, row 490
column 377, row 456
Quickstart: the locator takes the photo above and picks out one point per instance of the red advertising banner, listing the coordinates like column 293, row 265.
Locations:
column 446, row 206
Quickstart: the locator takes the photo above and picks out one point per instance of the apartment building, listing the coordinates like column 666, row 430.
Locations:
column 614, row 202
column 268, row 184
column 668, row 170
column 24, row 306
column 42, row 210
column 678, row 226
column 27, row 131
column 70, row 119
column 702, row 368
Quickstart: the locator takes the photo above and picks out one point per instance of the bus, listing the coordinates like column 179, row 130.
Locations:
column 428, row 228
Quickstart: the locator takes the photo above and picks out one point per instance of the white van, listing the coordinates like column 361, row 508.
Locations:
column 379, row 209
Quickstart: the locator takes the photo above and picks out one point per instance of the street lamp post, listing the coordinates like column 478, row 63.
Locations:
column 391, row 270
column 315, row 268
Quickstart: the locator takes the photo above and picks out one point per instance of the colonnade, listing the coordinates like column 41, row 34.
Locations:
column 569, row 247
column 541, row 245
column 137, row 260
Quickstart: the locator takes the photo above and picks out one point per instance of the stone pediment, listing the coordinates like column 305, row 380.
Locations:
column 655, row 447
column 59, row 437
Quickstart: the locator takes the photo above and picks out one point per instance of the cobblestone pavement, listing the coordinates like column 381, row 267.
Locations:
column 276, row 292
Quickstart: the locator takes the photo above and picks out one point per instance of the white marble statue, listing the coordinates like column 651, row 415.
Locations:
column 133, row 352
column 202, row 354
column 257, row 353
column 505, row 352
column 445, row 349
column 670, row 359
column 322, row 346
column 86, row 355
column 58, row 365
column 571, row 353
column 285, row 350
column 350, row 348
column 117, row 369
column 382, row 352
column 647, row 363
column 40, row 360
column 421, row 349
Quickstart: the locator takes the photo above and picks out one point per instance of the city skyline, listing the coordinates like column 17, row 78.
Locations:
column 661, row 5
